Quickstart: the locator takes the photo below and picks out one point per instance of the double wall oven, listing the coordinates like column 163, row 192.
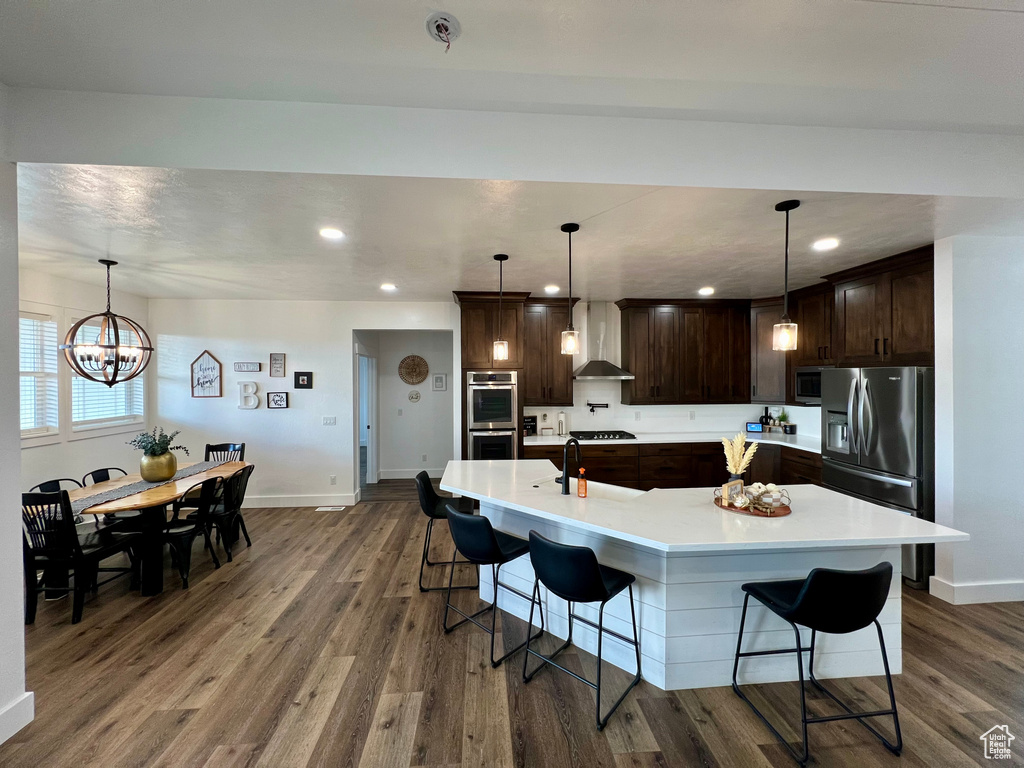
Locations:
column 492, row 414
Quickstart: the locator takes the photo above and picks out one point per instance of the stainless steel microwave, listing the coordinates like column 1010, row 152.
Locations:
column 807, row 384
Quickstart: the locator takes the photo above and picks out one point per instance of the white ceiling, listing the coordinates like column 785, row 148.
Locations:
column 217, row 234
column 932, row 64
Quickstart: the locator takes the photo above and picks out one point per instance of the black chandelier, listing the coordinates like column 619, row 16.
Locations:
column 119, row 351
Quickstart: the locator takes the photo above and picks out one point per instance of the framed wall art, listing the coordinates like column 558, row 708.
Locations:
column 277, row 365
column 303, row 380
column 248, row 367
column 206, row 380
column 277, row 399
column 439, row 382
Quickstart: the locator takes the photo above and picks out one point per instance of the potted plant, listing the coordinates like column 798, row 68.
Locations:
column 158, row 464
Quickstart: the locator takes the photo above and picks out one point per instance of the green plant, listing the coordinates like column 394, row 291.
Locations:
column 783, row 416
column 158, row 443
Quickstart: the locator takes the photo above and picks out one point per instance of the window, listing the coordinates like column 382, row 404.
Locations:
column 94, row 404
column 37, row 355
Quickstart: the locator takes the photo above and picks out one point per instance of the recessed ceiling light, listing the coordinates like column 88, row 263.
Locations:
column 826, row 244
column 388, row 287
column 707, row 290
column 330, row 233
column 550, row 289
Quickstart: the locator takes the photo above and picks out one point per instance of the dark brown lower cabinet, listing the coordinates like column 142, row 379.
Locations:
column 799, row 467
column 766, row 466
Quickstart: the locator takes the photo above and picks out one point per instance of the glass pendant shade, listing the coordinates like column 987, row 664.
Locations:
column 784, row 336
column 105, row 347
column 500, row 350
column 570, row 342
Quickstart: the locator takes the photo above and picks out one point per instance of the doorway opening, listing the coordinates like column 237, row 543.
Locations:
column 367, row 443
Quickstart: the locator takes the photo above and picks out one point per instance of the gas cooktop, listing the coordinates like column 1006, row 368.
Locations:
column 611, row 434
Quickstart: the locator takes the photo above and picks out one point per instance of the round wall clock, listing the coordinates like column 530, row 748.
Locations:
column 413, row 369
column 414, row 396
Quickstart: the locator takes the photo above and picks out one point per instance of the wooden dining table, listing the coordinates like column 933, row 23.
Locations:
column 153, row 503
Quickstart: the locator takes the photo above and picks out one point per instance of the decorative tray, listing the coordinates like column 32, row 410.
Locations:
column 775, row 511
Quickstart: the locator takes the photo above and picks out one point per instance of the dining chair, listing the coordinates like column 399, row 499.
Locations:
column 226, row 516
column 101, row 475
column 435, row 508
column 52, row 542
column 54, row 486
column 225, row 452
column 180, row 532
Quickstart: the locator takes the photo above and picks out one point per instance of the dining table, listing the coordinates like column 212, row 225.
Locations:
column 153, row 505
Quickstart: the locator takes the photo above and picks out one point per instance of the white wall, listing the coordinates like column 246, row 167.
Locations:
column 295, row 455
column 75, row 454
column 979, row 361
column 16, row 706
column 408, row 430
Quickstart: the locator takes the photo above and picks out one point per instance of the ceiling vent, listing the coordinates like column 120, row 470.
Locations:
column 444, row 28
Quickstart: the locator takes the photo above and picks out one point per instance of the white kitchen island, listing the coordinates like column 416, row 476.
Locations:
column 690, row 558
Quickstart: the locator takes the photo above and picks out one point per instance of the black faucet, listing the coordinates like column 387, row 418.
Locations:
column 564, row 480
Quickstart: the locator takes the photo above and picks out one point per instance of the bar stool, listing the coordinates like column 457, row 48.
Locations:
column 477, row 541
column 435, row 508
column 830, row 601
column 574, row 574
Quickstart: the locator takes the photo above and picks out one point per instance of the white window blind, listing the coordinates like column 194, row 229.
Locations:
column 37, row 355
column 94, row 404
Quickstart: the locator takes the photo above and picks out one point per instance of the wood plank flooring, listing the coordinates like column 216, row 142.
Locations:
column 315, row 648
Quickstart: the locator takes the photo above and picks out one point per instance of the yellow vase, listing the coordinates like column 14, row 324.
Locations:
column 157, row 469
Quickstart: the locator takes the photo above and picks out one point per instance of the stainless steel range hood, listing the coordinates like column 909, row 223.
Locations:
column 597, row 368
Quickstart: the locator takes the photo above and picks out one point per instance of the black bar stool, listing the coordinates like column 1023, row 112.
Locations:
column 835, row 602
column 574, row 574
column 480, row 544
column 435, row 508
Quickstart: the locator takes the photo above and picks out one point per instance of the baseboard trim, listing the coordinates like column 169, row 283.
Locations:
column 407, row 474
column 17, row 715
column 325, row 500
column 977, row 591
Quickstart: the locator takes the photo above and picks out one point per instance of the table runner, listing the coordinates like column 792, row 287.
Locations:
column 120, row 492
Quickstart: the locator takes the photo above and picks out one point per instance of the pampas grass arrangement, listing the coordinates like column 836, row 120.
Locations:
column 736, row 458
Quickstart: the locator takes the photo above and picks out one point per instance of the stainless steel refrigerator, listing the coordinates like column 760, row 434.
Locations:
column 878, row 444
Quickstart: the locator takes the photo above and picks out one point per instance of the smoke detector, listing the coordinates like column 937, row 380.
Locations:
column 444, row 28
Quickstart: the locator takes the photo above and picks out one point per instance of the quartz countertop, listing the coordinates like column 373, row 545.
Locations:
column 685, row 520
column 811, row 444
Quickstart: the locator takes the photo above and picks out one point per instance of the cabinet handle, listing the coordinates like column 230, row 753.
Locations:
column 658, row 390
column 826, row 351
column 876, row 346
column 885, row 346
column 652, row 391
column 753, row 388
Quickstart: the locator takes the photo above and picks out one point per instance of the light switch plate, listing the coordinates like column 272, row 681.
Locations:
column 330, row 421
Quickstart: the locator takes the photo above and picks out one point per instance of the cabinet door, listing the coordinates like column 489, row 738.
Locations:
column 534, row 385
column 765, row 466
column 767, row 367
column 477, row 338
column 665, row 354
column 709, row 468
column 813, row 315
column 911, row 338
column 718, row 354
column 559, row 366
column 511, row 331
column 860, row 307
column 636, row 354
column 691, row 356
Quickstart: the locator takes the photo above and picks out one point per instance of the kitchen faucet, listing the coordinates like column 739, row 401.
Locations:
column 565, row 463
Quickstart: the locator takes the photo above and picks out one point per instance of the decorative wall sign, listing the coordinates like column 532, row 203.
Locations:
column 414, row 396
column 206, row 376
column 277, row 399
column 248, row 400
column 413, row 369
column 248, row 367
column 277, row 364
column 303, row 380
column 439, row 382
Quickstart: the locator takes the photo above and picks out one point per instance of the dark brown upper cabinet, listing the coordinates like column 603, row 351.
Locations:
column 480, row 329
column 767, row 367
column 812, row 310
column 884, row 312
column 547, row 373
column 681, row 352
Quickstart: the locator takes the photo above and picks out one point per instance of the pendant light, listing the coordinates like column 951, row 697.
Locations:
column 119, row 351
column 500, row 346
column 784, row 331
column 570, row 336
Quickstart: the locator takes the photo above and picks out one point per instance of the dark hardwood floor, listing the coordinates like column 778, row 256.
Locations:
column 315, row 647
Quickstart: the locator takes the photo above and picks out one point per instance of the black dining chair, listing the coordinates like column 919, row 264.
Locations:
column 180, row 533
column 477, row 541
column 226, row 515
column 225, row 452
column 830, row 601
column 436, row 508
column 54, row 486
column 52, row 541
column 573, row 574
column 101, row 475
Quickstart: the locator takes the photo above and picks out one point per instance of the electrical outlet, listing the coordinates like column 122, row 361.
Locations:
column 334, row 479
column 330, row 421
column 693, row 415
column 423, row 457
column 636, row 416
column 543, row 417
column 399, row 411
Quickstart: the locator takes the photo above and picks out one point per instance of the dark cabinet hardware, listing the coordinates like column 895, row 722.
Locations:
column 885, row 346
column 876, row 346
